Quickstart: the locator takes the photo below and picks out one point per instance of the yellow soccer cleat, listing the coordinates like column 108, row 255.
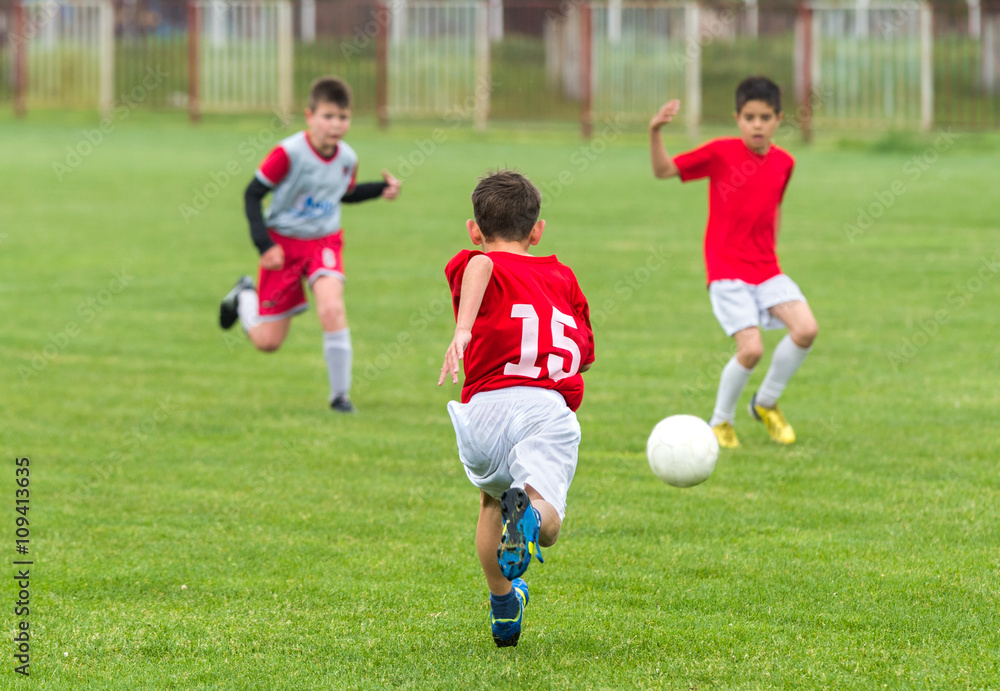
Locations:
column 777, row 425
column 726, row 435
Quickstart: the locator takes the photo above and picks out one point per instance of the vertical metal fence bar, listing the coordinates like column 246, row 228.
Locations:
column 926, row 67
column 586, row 70
column 692, row 66
column 382, row 33
column 107, row 58
column 194, row 86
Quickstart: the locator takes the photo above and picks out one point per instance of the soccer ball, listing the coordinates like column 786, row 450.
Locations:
column 682, row 450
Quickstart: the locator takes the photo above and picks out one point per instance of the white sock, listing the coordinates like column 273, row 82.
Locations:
column 731, row 384
column 786, row 361
column 248, row 307
column 339, row 357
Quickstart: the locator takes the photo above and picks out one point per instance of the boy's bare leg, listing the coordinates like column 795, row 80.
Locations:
column 507, row 598
column 490, row 528
column 488, row 532
column 268, row 336
column 550, row 523
column 242, row 303
column 802, row 326
column 790, row 352
column 749, row 347
column 329, row 292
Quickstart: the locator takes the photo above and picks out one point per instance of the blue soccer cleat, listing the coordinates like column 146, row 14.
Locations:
column 507, row 631
column 519, row 541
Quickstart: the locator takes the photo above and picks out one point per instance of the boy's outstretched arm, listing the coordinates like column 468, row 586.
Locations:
column 474, row 283
column 363, row 191
column 663, row 165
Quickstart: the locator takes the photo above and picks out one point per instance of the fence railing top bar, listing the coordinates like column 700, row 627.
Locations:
column 645, row 4
column 394, row 6
column 878, row 5
column 230, row 4
column 37, row 5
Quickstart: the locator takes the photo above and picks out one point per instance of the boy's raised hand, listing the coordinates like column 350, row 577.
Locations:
column 392, row 191
column 665, row 114
column 453, row 355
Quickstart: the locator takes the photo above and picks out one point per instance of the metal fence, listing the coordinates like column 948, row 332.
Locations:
column 899, row 64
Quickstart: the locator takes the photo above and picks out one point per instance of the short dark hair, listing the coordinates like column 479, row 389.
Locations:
column 506, row 205
column 758, row 89
column 329, row 90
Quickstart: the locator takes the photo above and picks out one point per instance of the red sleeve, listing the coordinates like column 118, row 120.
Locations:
column 354, row 180
column 455, row 272
column 274, row 168
column 696, row 163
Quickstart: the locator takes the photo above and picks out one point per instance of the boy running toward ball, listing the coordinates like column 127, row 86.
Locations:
column 747, row 176
column 309, row 175
column 523, row 331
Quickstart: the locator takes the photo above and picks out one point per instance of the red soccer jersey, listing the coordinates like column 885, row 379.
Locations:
column 533, row 327
column 744, row 192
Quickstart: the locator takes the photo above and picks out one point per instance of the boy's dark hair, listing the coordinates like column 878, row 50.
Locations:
column 506, row 205
column 329, row 90
column 758, row 89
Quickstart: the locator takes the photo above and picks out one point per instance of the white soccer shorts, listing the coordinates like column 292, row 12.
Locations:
column 515, row 437
column 739, row 305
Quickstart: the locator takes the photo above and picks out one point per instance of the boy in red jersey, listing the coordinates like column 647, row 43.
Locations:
column 747, row 176
column 310, row 174
column 523, row 330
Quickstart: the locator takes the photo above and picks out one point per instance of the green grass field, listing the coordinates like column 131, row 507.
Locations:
column 199, row 519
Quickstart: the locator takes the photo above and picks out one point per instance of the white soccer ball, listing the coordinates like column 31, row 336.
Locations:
column 682, row 450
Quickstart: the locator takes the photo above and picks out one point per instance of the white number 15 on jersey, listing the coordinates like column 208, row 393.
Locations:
column 526, row 366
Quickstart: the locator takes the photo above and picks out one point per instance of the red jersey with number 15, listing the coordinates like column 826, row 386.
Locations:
column 533, row 327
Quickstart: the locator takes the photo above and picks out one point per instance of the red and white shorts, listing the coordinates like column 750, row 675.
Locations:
column 281, row 292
